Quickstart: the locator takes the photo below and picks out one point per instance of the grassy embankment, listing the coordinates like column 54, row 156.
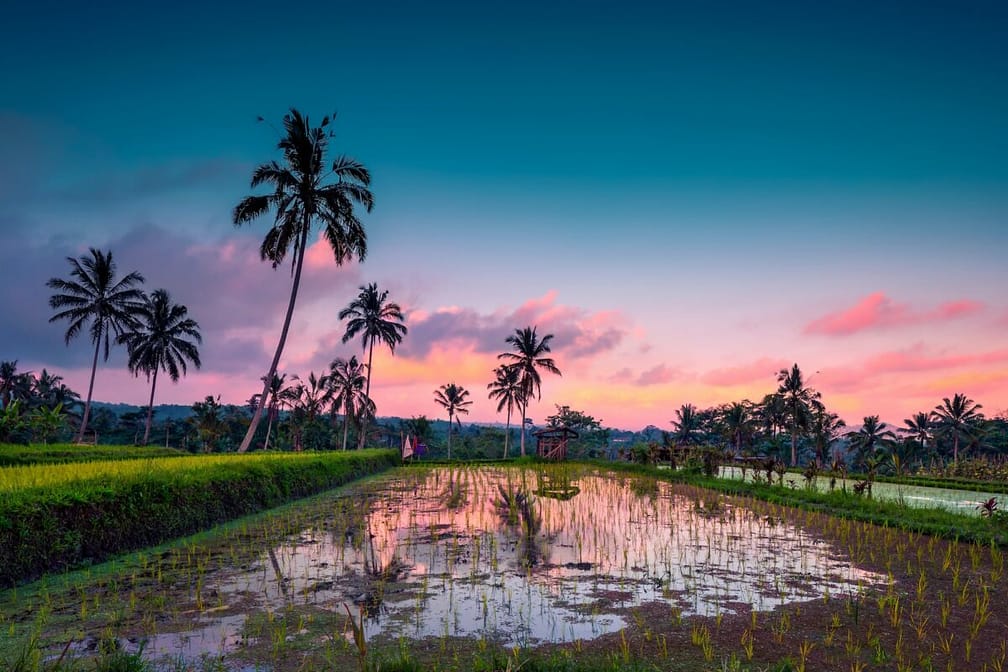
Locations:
column 12, row 455
column 57, row 516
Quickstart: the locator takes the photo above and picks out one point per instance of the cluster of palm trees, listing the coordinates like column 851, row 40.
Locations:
column 515, row 384
column 34, row 406
column 345, row 390
column 796, row 412
column 159, row 334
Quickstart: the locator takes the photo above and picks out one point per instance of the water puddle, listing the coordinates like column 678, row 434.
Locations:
column 522, row 557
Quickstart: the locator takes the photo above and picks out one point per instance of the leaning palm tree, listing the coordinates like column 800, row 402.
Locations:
column 377, row 320
column 93, row 296
column 306, row 191
column 453, row 398
column 347, row 380
column 798, row 400
column 957, row 416
column 507, row 390
column 164, row 339
column 528, row 359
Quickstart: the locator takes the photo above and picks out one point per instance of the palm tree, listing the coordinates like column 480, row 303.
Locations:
column 920, row 428
column 453, row 399
column 686, row 425
column 301, row 198
column 798, row 401
column 528, row 359
column 165, row 339
column 739, row 423
column 870, row 439
column 347, row 380
column 93, row 295
column 957, row 416
column 9, row 377
column 378, row 320
column 507, row 390
column 276, row 389
column 825, row 429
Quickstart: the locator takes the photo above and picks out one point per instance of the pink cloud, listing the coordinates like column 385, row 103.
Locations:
column 762, row 370
column 879, row 311
column 658, row 375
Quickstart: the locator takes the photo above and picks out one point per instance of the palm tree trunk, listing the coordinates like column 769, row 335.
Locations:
column 367, row 393
column 90, row 389
column 346, row 423
column 794, row 447
column 955, row 448
column 257, row 416
column 449, row 435
column 150, row 408
column 507, row 432
column 523, row 431
column 269, row 430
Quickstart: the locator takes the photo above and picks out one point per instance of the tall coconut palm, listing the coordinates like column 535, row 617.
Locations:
column 506, row 389
column 453, row 398
column 798, row 401
column 825, row 428
column 94, row 296
column 377, row 320
column 306, row 191
column 164, row 339
column 8, row 381
column 868, row 441
column 957, row 416
column 347, row 380
column 528, row 358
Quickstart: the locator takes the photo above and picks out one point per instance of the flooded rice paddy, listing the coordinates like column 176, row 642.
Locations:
column 514, row 557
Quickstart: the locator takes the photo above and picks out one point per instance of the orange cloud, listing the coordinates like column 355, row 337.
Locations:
column 877, row 311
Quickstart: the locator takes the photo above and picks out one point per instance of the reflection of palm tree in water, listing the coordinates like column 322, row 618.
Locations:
column 515, row 510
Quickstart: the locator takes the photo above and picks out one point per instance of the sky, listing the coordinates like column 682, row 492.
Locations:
column 689, row 197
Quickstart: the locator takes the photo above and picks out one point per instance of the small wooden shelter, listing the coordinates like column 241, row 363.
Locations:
column 551, row 443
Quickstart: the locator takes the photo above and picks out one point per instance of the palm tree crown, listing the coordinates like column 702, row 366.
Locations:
column 453, row 398
column 377, row 320
column 957, row 416
column 870, row 440
column 165, row 339
column 94, row 296
column 528, row 357
column 305, row 193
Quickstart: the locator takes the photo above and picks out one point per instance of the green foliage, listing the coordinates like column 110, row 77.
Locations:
column 73, row 522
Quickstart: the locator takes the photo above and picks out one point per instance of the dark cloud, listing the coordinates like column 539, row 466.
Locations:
column 577, row 332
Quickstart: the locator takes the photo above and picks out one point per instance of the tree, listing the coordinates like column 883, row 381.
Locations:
column 164, row 339
column 528, row 357
column 276, row 388
column 739, row 423
column 920, row 429
column 868, row 441
column 377, row 320
column 506, row 389
column 308, row 399
column 957, row 417
column 686, row 425
column 798, row 401
column 207, row 421
column 93, row 296
column 453, row 398
column 301, row 198
column 347, row 381
column 825, row 429
column 11, row 383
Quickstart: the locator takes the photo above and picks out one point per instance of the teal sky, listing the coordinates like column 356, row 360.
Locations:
column 696, row 170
